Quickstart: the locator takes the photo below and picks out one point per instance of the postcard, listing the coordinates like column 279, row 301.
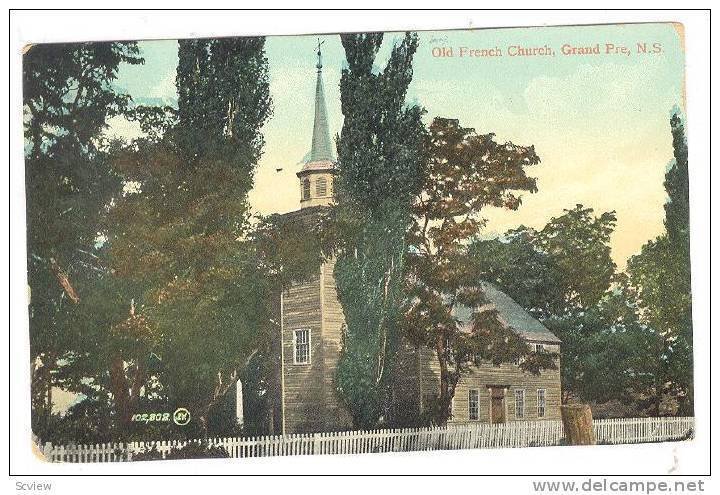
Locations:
column 358, row 242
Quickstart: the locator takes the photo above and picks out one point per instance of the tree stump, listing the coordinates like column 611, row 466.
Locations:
column 578, row 424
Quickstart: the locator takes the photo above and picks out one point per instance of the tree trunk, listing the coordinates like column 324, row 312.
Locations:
column 448, row 382
column 203, row 421
column 444, row 399
column 120, row 389
column 578, row 424
column 64, row 281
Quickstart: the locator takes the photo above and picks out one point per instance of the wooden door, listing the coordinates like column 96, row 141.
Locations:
column 497, row 405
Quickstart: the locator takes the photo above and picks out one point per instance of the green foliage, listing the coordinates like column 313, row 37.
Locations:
column 182, row 240
column 660, row 274
column 380, row 170
column 558, row 270
column 176, row 303
column 527, row 274
column 291, row 246
column 605, row 340
column 156, row 123
column 193, row 450
column 677, row 185
column 68, row 96
column 260, row 381
column 634, row 327
column 562, row 275
column 223, row 98
column 580, row 246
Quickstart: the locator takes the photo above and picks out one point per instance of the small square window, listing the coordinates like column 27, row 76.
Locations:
column 473, row 405
column 541, row 403
column 539, row 348
column 301, row 346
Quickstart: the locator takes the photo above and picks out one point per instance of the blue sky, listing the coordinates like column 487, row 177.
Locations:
column 598, row 122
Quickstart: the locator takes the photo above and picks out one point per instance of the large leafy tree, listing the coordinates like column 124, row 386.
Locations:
column 661, row 275
column 563, row 268
column 181, row 237
column 563, row 275
column 608, row 340
column 380, row 171
column 68, row 97
column 467, row 172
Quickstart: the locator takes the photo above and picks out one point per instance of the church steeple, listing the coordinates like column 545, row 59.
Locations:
column 316, row 176
column 321, row 145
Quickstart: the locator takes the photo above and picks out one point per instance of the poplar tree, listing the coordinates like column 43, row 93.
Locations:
column 380, row 170
column 660, row 273
column 183, row 238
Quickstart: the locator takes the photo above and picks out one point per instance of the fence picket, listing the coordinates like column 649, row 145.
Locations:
column 453, row 436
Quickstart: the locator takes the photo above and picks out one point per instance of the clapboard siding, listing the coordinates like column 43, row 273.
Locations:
column 311, row 402
column 333, row 321
column 303, row 383
column 510, row 375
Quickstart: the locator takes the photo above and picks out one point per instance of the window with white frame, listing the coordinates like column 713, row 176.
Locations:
column 473, row 405
column 539, row 348
column 301, row 346
column 541, row 403
column 519, row 403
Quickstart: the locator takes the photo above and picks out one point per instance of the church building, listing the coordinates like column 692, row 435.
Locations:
column 312, row 321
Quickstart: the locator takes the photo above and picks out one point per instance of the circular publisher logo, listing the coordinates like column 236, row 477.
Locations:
column 181, row 416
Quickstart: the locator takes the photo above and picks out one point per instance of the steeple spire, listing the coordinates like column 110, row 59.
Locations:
column 319, row 54
column 321, row 149
column 317, row 174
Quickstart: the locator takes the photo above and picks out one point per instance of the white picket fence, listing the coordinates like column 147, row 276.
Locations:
column 454, row 436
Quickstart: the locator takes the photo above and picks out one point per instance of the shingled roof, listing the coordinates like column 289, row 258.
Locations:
column 510, row 313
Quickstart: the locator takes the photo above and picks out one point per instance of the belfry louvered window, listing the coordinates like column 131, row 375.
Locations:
column 321, row 187
column 305, row 189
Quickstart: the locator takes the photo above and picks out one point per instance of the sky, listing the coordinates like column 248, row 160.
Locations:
column 599, row 122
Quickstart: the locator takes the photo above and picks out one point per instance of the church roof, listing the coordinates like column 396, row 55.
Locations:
column 510, row 314
column 317, row 166
column 321, row 150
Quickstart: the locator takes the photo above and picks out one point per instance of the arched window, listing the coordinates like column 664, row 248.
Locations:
column 321, row 187
column 305, row 189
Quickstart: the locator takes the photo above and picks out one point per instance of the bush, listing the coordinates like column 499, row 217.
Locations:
column 193, row 450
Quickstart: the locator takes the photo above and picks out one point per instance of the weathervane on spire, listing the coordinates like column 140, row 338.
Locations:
column 319, row 54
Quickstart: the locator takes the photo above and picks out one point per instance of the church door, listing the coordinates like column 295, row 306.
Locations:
column 497, row 405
